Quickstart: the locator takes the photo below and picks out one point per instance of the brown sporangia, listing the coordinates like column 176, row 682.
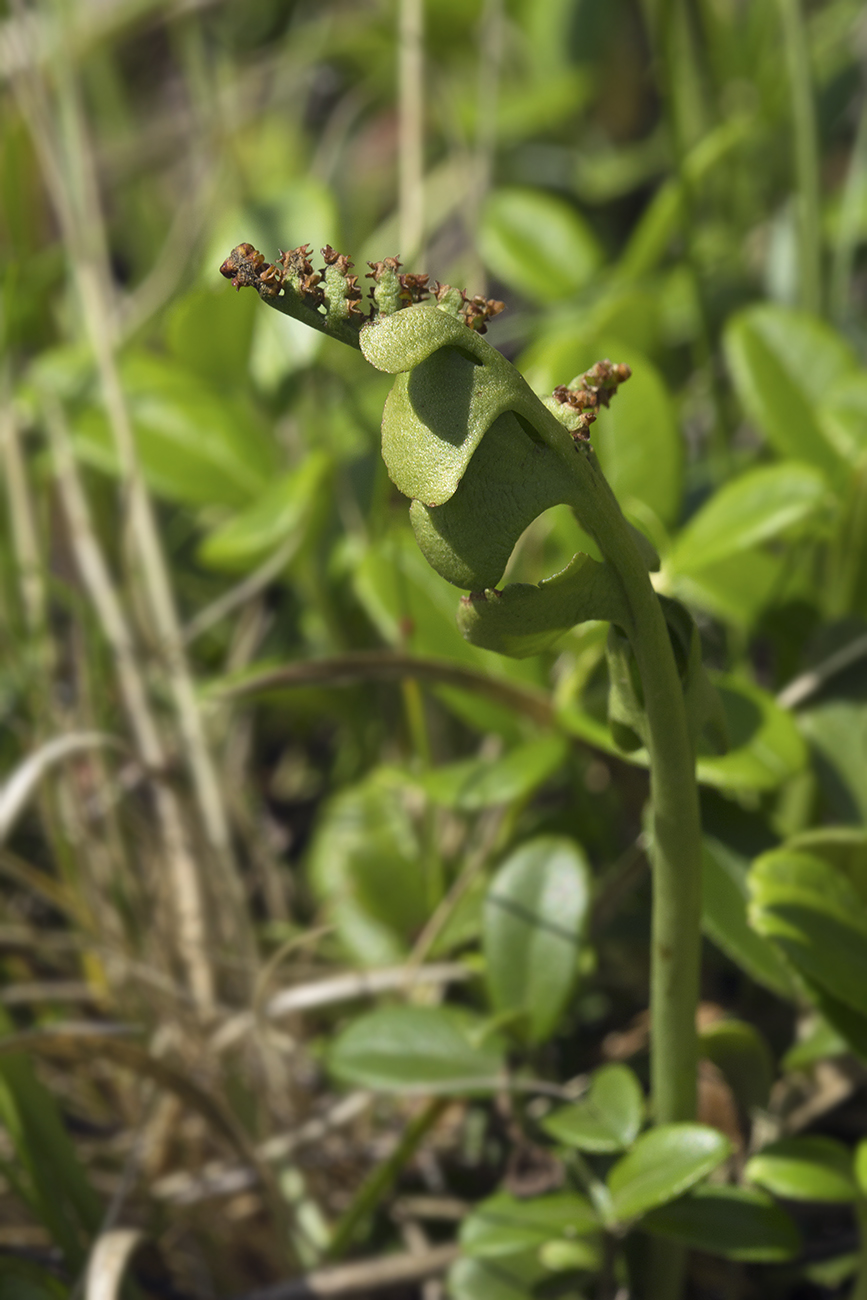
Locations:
column 293, row 271
column 244, row 266
column 589, row 391
column 478, row 311
column 413, row 288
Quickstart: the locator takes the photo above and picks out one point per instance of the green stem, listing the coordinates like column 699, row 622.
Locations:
column 290, row 304
column 806, row 154
column 676, row 825
column 377, row 1185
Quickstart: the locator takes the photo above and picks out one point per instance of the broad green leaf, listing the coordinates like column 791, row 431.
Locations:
column 843, row 847
column 804, row 1169
column 515, row 1278
column 282, row 513
column 765, row 745
column 734, row 1222
column 506, row 1225
column 210, row 332
column 607, row 1119
column 724, row 919
column 739, row 1050
column 195, row 446
column 534, row 920
column 836, row 730
column 537, row 243
column 783, row 363
column 428, row 1050
column 481, row 783
column 365, row 867
column 753, row 508
column 816, row 917
column 844, row 416
column 664, row 1163
column 572, row 1256
column 737, row 589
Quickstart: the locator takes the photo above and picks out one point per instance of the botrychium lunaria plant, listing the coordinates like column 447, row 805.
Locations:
column 480, row 456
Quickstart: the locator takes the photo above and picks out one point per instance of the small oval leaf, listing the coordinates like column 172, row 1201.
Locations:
column 506, row 1224
column 428, row 1050
column 734, row 1222
column 534, row 919
column 607, row 1119
column 805, row 1169
column 664, row 1163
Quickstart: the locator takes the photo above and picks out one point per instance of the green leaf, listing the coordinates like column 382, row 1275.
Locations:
column 428, row 1050
column 506, row 1225
column 537, row 243
column 284, row 511
column 766, row 747
column 739, row 1050
column 724, row 919
column 514, row 1278
column 753, row 508
column 195, row 446
column 482, row 783
column 734, row 1222
column 572, row 1256
column 607, row 1119
column 664, row 1163
column 783, row 363
column 210, row 332
column 804, row 1169
column 534, row 920
column 836, row 730
column 365, row 868
column 815, row 916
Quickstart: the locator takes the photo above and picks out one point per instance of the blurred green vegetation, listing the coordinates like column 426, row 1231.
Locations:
column 245, row 746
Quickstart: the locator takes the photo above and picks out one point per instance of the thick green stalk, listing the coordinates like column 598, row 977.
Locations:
column 676, row 824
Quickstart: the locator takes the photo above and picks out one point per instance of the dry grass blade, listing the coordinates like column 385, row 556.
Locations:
column 367, row 1276
column 17, row 790
column 108, row 1261
column 79, row 1043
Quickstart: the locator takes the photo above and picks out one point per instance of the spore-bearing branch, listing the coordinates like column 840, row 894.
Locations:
column 328, row 299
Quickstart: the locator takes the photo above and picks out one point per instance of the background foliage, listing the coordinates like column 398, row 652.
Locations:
column 275, row 837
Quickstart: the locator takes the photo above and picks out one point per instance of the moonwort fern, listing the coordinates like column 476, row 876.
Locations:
column 480, row 455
